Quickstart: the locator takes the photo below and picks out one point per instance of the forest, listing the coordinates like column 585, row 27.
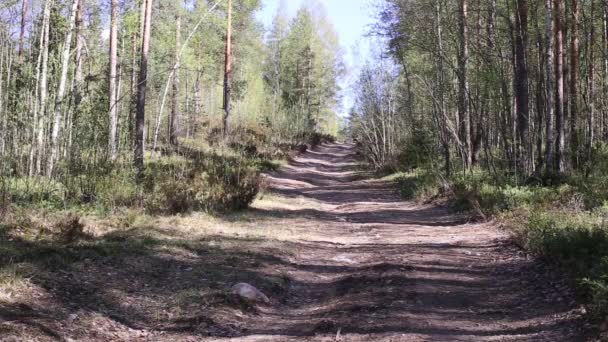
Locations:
column 193, row 170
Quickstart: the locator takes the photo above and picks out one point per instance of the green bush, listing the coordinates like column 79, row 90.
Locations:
column 597, row 287
column 577, row 241
column 418, row 152
column 420, row 185
column 558, row 226
column 212, row 183
column 40, row 190
column 172, row 185
column 318, row 138
column 498, row 195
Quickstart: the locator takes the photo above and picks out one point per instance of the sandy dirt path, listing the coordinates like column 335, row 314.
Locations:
column 376, row 268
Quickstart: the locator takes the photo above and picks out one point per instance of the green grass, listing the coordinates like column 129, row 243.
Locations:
column 579, row 242
column 565, row 223
column 223, row 180
column 419, row 185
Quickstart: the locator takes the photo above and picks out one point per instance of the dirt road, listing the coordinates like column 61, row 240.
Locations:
column 340, row 257
column 381, row 269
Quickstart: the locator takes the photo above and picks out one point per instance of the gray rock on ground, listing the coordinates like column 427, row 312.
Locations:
column 249, row 293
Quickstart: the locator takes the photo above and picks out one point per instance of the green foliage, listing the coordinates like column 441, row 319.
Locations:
column 580, row 243
column 317, row 138
column 593, row 184
column 556, row 229
column 41, row 190
column 418, row 150
column 420, row 185
column 375, row 121
column 170, row 185
column 497, row 194
column 212, row 183
column 304, row 65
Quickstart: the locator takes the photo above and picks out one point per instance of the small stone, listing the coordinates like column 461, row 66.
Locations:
column 249, row 292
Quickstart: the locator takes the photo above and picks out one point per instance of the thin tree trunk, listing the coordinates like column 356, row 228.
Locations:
column 113, row 108
column 441, row 85
column 228, row 72
column 141, row 90
column 78, row 75
column 38, row 146
column 133, row 90
column 465, row 114
column 591, row 87
column 175, row 112
column 119, row 93
column 521, row 84
column 574, row 78
column 59, row 97
column 3, row 113
column 559, row 74
column 549, row 84
column 604, row 116
column 198, row 107
column 22, row 28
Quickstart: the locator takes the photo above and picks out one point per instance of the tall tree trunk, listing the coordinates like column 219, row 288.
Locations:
column 441, row 87
column 175, row 112
column 141, row 90
column 3, row 113
column 604, row 116
column 198, row 105
column 113, row 90
column 133, row 90
column 120, row 138
column 59, row 97
column 227, row 72
column 464, row 110
column 574, row 78
column 521, row 84
column 549, row 84
column 22, row 28
column 560, row 14
column 38, row 146
column 537, row 160
column 591, row 85
column 78, row 75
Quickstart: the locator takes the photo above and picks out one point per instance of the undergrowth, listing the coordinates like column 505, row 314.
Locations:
column 170, row 185
column 565, row 223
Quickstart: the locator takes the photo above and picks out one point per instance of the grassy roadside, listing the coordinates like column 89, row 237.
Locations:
column 565, row 223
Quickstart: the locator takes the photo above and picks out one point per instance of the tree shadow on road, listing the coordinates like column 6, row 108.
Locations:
column 146, row 280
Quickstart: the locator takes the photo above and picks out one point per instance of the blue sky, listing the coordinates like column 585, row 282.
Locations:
column 351, row 19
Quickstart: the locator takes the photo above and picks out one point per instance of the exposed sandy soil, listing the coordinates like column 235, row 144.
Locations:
column 341, row 258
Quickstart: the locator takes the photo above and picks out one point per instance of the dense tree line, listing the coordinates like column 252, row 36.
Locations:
column 516, row 85
column 86, row 84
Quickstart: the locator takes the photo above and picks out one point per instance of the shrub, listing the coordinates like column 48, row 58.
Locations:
column 170, row 184
column 213, row 183
column 227, row 184
column 597, row 286
column 418, row 152
column 421, row 185
column 318, row 138
column 118, row 189
column 558, row 227
column 40, row 190
column 68, row 228
column 577, row 241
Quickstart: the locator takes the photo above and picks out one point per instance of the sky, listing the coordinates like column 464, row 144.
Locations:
column 351, row 19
